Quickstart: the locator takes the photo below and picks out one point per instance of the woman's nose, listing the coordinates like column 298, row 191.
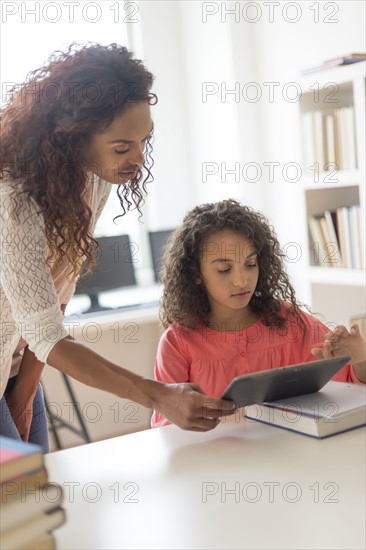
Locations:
column 137, row 155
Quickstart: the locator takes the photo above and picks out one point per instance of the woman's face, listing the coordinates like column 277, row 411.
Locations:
column 116, row 154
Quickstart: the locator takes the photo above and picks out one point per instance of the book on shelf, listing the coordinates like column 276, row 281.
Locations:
column 319, row 138
column 333, row 238
column 350, row 220
column 331, row 253
column 346, row 138
column 354, row 218
column 313, row 131
column 330, row 135
column 317, row 238
column 308, row 139
column 336, row 237
column 342, row 224
column 351, row 138
column 329, row 139
column 325, row 241
column 336, row 408
column 346, row 59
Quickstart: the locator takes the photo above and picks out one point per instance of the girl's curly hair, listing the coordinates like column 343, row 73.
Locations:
column 186, row 302
column 49, row 120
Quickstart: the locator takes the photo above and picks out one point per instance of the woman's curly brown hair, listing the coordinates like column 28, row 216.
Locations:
column 186, row 302
column 47, row 123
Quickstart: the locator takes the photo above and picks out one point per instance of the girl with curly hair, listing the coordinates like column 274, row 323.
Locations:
column 229, row 308
column 79, row 126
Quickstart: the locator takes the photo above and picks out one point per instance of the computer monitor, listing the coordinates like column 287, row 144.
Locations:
column 158, row 240
column 114, row 269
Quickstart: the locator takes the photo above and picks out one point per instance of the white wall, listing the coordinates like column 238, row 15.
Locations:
column 186, row 46
column 282, row 49
column 170, row 193
column 194, row 129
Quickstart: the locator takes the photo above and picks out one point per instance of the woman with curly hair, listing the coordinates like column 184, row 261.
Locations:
column 79, row 125
column 229, row 308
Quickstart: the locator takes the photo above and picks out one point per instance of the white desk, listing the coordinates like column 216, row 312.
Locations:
column 167, row 488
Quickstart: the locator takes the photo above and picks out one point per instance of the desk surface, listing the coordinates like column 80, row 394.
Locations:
column 242, row 485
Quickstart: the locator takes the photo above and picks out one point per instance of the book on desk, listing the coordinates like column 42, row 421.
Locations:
column 338, row 407
column 30, row 505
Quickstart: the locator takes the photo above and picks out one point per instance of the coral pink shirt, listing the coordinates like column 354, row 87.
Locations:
column 212, row 359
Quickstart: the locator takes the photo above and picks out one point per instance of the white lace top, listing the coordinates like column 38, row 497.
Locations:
column 30, row 297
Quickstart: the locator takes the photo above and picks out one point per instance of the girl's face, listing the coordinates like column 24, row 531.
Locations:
column 229, row 272
column 116, row 154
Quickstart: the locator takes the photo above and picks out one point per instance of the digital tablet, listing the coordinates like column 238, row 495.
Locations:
column 283, row 382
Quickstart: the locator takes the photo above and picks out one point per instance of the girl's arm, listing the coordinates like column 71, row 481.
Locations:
column 344, row 342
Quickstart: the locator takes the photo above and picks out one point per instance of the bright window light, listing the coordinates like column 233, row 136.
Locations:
column 32, row 31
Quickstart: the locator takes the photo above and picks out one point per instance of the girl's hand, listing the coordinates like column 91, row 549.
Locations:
column 341, row 342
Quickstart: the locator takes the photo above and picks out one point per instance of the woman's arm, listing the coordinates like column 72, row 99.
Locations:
column 183, row 404
column 30, row 290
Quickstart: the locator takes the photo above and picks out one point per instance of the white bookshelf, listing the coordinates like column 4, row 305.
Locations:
column 337, row 292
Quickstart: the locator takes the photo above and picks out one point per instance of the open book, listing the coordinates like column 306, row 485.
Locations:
column 336, row 408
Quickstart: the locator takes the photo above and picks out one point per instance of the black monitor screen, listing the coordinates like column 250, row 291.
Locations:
column 114, row 268
column 158, row 240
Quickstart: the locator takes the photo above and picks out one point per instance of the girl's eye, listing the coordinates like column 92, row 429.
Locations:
column 118, row 152
column 251, row 266
column 224, row 270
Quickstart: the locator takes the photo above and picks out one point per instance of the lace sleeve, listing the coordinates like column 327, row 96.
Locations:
column 26, row 278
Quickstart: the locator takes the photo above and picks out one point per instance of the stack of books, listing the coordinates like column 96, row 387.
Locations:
column 329, row 139
column 30, row 505
column 336, row 238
